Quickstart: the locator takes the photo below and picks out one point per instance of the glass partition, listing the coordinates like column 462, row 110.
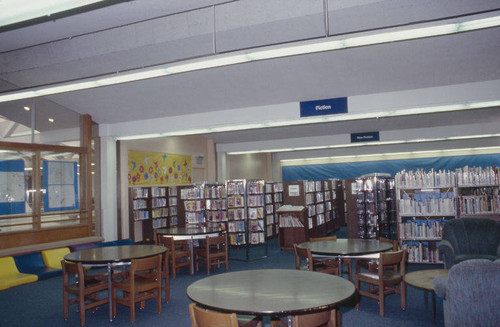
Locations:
column 43, row 189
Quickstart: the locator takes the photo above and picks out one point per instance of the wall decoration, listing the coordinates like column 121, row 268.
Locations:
column 60, row 181
column 12, row 187
column 154, row 168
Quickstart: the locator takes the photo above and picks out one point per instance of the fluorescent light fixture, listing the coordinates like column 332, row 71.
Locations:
column 391, row 156
column 263, row 53
column 14, row 11
column 139, row 137
column 26, row 108
column 366, row 144
column 51, row 120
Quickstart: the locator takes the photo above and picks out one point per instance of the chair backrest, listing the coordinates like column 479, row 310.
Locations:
column 151, row 264
column 393, row 258
column 8, row 267
column 395, row 244
column 314, row 319
column 167, row 241
column 73, row 273
column 220, row 240
column 325, row 238
column 205, row 318
column 303, row 253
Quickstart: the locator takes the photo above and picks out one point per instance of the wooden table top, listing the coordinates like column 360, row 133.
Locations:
column 117, row 253
column 346, row 247
column 424, row 278
column 270, row 291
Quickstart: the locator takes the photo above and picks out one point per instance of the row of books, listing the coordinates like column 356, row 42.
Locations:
column 139, row 204
column 235, row 188
column 478, row 175
column 197, row 217
column 215, row 204
column 141, row 214
column 193, row 192
column 256, row 225
column 256, row 213
column 423, row 179
column 159, row 212
column 237, row 239
column 236, row 226
column 159, row 223
column 422, row 252
column 422, row 228
column 257, row 237
column 197, row 205
column 216, row 216
column 290, row 221
column 440, row 207
column 140, row 193
column 482, row 204
column 159, row 202
column 255, row 187
column 215, row 192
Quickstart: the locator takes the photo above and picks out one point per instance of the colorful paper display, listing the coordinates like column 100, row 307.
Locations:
column 154, row 168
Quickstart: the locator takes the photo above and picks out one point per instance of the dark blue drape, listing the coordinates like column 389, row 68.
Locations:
column 356, row 169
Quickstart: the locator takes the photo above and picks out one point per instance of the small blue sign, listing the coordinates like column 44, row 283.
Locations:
column 323, row 107
column 365, row 137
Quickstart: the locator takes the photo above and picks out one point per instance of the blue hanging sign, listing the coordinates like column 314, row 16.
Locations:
column 365, row 137
column 323, row 107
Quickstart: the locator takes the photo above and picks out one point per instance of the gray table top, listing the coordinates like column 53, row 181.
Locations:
column 112, row 254
column 270, row 291
column 346, row 247
column 188, row 231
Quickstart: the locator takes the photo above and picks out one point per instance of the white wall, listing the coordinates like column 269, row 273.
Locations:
column 251, row 166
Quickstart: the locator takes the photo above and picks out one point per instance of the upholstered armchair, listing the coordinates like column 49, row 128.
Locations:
column 471, row 293
column 469, row 238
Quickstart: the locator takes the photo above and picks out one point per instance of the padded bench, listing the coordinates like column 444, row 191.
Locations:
column 32, row 263
column 10, row 275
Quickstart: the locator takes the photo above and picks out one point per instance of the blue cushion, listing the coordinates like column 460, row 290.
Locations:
column 127, row 241
column 79, row 247
column 32, row 263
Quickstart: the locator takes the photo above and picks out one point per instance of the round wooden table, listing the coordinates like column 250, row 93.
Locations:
column 190, row 234
column 345, row 248
column 424, row 279
column 112, row 256
column 281, row 292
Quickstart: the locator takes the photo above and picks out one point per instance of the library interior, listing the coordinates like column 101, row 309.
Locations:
column 236, row 136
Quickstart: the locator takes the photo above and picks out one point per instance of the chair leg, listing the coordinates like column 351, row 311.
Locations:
column 81, row 304
column 381, row 299
column 403, row 295
column 173, row 266
column 208, row 266
column 357, row 286
column 65, row 305
column 158, row 300
column 132, row 306
column 114, row 302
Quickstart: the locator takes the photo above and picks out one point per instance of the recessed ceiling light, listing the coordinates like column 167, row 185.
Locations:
column 51, row 120
column 27, row 108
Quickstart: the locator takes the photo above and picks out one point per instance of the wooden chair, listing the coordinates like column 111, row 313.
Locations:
column 165, row 275
column 85, row 290
column 180, row 254
column 206, row 318
column 385, row 281
column 212, row 253
column 330, row 318
column 311, row 264
column 370, row 262
column 334, row 261
column 143, row 283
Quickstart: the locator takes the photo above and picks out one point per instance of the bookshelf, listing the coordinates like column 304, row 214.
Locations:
column 246, row 216
column 277, row 202
column 478, row 192
column 292, row 226
column 172, row 206
column 426, row 200
column 148, row 210
column 192, row 206
column 215, row 205
column 270, row 210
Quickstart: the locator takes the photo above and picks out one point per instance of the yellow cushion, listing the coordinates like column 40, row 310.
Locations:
column 10, row 275
column 53, row 257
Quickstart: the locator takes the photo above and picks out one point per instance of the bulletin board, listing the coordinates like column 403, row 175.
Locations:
column 12, row 187
column 60, row 181
column 155, row 168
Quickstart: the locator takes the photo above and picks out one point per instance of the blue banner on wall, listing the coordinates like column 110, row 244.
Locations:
column 323, row 107
column 12, row 187
column 356, row 169
column 60, row 181
column 365, row 137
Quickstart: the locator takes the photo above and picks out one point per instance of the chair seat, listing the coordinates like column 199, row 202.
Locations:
column 387, row 275
column 463, row 257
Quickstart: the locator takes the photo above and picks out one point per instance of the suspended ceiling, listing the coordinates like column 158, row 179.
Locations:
column 144, row 33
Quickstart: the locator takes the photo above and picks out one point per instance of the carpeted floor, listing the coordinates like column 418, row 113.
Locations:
column 40, row 303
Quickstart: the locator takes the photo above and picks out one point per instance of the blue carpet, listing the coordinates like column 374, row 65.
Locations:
column 40, row 303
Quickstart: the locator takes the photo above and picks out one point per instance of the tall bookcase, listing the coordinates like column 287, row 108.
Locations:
column 246, row 217
column 376, row 210
column 478, row 192
column 148, row 210
column 215, row 205
column 277, row 202
column 425, row 201
column 173, row 218
column 270, row 210
column 192, row 206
